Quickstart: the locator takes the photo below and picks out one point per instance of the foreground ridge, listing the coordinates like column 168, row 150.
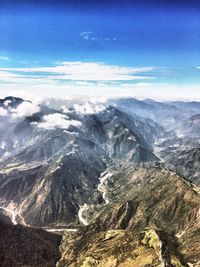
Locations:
column 140, row 228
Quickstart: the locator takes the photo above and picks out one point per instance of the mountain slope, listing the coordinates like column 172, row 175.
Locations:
column 119, row 169
column 154, row 227
column 50, row 172
column 23, row 246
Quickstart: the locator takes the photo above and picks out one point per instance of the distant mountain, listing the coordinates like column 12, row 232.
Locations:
column 118, row 180
column 181, row 152
column 49, row 173
column 192, row 125
column 183, row 160
column 10, row 102
column 194, row 120
column 167, row 114
column 193, row 106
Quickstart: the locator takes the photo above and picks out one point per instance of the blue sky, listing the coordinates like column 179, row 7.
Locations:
column 139, row 48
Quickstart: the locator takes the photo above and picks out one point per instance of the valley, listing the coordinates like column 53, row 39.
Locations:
column 119, row 183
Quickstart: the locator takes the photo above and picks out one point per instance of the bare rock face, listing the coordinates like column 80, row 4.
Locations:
column 125, row 177
column 49, row 173
column 154, row 227
column 192, row 125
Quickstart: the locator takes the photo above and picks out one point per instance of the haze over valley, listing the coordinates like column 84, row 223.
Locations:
column 99, row 133
column 120, row 177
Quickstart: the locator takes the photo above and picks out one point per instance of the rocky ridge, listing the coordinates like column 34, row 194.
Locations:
column 120, row 184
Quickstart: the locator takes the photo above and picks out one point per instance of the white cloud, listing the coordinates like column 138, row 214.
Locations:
column 25, row 109
column 87, row 35
column 3, row 145
column 4, row 58
column 91, row 36
column 57, row 120
column 70, row 79
column 94, row 80
column 88, row 108
column 3, row 112
column 7, row 102
column 6, row 75
column 65, row 109
column 74, row 71
column 159, row 91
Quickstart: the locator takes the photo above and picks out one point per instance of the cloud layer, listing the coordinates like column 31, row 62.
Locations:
column 25, row 109
column 72, row 79
column 88, row 108
column 57, row 120
column 75, row 71
column 3, row 112
column 4, row 58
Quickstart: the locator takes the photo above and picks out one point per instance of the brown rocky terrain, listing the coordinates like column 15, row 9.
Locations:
column 156, row 226
column 119, row 184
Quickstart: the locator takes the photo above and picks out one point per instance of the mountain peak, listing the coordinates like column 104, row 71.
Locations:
column 11, row 101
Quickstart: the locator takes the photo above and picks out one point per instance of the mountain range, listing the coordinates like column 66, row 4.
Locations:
column 119, row 181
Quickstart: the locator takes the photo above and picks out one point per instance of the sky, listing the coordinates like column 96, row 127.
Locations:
column 144, row 49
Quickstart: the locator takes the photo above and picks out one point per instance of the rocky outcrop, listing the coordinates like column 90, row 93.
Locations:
column 50, row 173
column 116, row 176
column 154, row 226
